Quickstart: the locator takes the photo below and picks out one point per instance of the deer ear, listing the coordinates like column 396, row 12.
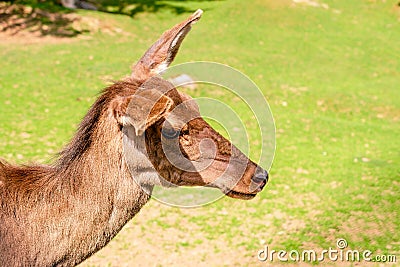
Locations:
column 162, row 53
column 143, row 109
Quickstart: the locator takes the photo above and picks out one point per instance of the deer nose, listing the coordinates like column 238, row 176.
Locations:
column 260, row 177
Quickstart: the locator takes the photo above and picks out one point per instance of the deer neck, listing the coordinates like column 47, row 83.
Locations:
column 103, row 194
column 76, row 206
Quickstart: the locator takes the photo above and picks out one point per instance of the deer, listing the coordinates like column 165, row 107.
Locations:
column 141, row 132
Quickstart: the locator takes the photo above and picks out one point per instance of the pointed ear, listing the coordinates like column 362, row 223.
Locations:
column 142, row 109
column 163, row 52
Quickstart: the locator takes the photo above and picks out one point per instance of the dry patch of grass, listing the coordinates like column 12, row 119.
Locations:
column 165, row 236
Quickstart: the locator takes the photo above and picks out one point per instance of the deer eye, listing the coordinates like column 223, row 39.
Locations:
column 170, row 133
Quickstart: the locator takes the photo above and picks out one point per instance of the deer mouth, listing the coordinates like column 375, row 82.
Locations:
column 235, row 194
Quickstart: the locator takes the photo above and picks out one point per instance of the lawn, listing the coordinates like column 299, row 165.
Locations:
column 331, row 75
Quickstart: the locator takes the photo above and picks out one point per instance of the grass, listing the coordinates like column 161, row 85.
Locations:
column 331, row 77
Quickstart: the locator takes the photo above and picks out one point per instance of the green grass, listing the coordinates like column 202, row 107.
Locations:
column 331, row 77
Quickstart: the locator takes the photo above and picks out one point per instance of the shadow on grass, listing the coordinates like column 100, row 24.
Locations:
column 42, row 20
column 50, row 18
column 133, row 7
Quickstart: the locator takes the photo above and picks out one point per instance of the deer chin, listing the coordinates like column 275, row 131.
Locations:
column 239, row 195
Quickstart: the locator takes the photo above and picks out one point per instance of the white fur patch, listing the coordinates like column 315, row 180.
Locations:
column 177, row 37
column 160, row 68
column 125, row 120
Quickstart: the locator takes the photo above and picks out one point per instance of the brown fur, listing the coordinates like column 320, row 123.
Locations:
column 61, row 214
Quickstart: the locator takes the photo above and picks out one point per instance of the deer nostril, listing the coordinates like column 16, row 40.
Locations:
column 260, row 176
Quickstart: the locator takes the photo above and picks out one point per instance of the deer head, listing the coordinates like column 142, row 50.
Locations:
column 166, row 140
